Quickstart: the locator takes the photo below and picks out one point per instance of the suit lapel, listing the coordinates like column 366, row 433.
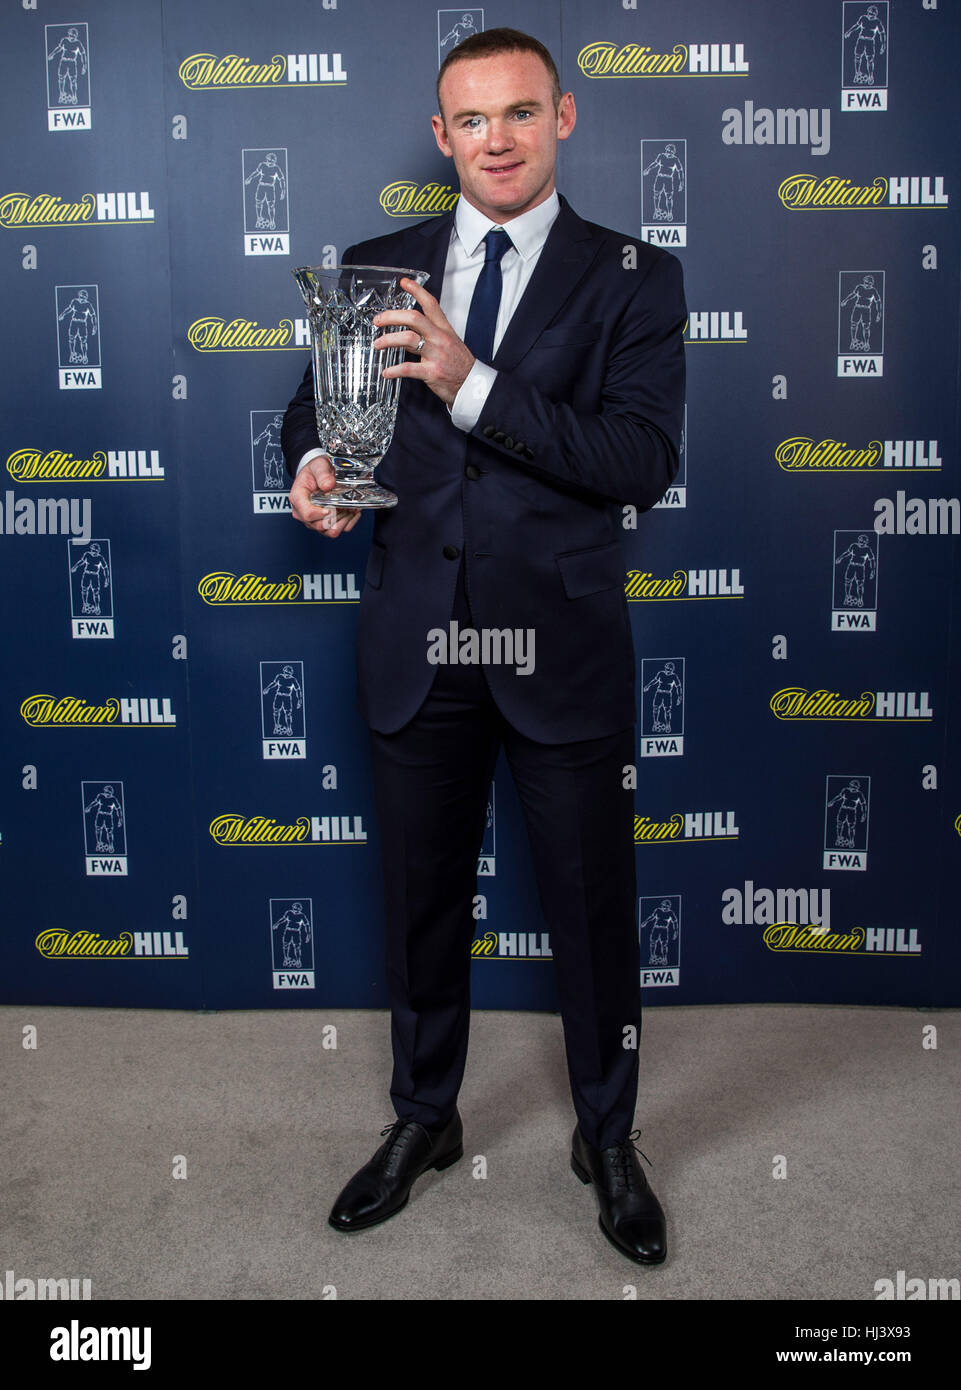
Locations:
column 431, row 243
column 568, row 251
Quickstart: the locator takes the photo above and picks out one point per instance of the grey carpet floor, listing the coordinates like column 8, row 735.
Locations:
column 268, row 1125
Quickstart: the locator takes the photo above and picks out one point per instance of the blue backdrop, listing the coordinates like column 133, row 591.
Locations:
column 172, row 834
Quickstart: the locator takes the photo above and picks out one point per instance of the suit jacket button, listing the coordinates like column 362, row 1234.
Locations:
column 528, row 453
column 499, row 437
column 488, row 431
column 508, row 442
column 451, row 552
column 473, row 472
column 520, row 447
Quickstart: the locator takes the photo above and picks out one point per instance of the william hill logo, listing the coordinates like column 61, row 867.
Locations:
column 66, row 711
column 642, row 586
column 206, row 72
column 408, row 199
column 234, row 829
column 56, row 944
column 606, row 59
column 49, row 210
column 114, row 465
column 802, row 453
column 799, row 704
column 216, row 334
column 225, row 587
column 808, row 193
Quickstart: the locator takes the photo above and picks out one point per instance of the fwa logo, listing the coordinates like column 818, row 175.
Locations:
column 90, row 575
column 662, row 707
column 676, row 495
column 104, row 829
column 864, row 56
column 861, row 323
column 453, row 27
column 67, row 49
column 292, row 942
column 847, row 805
column 660, row 937
column 606, row 59
column 266, row 205
column 270, row 483
column 855, row 600
column 78, row 337
column 487, row 860
column 664, row 192
column 283, row 711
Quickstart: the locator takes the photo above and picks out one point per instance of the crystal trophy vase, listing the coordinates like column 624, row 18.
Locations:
column 356, row 404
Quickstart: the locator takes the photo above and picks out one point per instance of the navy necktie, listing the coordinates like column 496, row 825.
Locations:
column 482, row 318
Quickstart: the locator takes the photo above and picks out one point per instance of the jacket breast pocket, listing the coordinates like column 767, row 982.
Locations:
column 591, row 571
column 570, row 335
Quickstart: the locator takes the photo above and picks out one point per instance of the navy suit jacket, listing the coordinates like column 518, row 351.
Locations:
column 585, row 416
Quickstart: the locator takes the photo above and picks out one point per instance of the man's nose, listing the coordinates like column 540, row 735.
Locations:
column 499, row 135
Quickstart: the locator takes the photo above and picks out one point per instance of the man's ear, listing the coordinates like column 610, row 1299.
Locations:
column 440, row 135
column 566, row 116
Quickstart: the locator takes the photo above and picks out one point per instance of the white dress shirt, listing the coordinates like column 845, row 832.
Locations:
column 465, row 259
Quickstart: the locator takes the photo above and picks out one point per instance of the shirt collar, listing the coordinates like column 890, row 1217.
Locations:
column 527, row 232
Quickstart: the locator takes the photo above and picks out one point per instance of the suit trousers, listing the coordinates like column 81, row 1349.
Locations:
column 431, row 784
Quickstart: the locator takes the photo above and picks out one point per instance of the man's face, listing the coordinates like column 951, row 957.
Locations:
column 499, row 126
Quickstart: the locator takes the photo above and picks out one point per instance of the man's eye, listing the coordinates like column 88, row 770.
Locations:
column 473, row 122
column 523, row 115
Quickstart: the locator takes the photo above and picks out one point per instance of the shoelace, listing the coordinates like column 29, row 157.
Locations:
column 622, row 1166
column 398, row 1143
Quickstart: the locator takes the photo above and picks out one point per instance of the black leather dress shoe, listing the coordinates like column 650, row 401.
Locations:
column 383, row 1185
column 631, row 1216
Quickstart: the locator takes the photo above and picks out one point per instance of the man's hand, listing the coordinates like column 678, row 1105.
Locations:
column 318, row 476
column 444, row 359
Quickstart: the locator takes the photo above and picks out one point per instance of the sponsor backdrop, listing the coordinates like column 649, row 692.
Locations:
column 187, row 815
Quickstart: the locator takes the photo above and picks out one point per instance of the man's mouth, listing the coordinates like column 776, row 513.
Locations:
column 498, row 170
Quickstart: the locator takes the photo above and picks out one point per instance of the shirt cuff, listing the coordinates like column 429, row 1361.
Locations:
column 472, row 396
column 310, row 454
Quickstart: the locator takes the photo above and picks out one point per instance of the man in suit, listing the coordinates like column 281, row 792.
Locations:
column 543, row 390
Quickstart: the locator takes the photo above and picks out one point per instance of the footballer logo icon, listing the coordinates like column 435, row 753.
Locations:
column 660, row 937
column 91, row 588
column 855, row 601
column 487, row 860
column 104, row 829
column 662, row 707
column 453, row 27
column 846, row 811
column 269, row 476
column 676, row 495
column 861, row 323
column 266, row 208
column 664, row 192
column 282, row 709
column 864, row 56
column 78, row 337
column 292, row 942
column 67, row 48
